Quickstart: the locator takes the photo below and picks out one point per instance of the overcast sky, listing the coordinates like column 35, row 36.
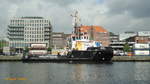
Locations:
column 114, row 15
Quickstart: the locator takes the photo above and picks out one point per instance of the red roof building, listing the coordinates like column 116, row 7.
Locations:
column 96, row 33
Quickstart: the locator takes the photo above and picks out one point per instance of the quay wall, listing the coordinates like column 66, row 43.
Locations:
column 10, row 58
column 131, row 58
column 115, row 58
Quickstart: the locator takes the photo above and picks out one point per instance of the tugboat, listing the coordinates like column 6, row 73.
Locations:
column 84, row 46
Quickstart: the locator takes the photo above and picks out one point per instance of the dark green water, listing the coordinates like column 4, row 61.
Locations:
column 60, row 73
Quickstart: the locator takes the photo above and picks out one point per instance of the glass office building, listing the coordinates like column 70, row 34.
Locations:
column 23, row 31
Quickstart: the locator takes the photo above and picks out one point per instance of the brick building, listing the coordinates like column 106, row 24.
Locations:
column 139, row 39
column 96, row 33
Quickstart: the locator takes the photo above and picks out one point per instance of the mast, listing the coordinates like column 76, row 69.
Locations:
column 76, row 23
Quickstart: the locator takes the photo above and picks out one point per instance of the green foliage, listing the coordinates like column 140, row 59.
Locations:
column 26, row 49
column 3, row 43
column 126, row 47
column 111, row 33
column 49, row 49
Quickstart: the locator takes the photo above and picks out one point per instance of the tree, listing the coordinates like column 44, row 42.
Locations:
column 49, row 49
column 111, row 33
column 26, row 49
column 3, row 43
column 126, row 48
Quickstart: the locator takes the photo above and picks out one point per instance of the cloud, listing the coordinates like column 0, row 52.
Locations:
column 62, row 2
column 114, row 15
column 137, row 8
column 133, row 15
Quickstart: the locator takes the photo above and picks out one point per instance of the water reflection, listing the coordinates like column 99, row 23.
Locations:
column 59, row 73
column 141, row 71
column 78, row 73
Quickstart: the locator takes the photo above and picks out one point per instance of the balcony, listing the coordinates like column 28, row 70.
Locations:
column 15, row 26
column 16, row 39
column 10, row 30
column 16, row 33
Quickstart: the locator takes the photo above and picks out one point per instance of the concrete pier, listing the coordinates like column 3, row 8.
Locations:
column 131, row 58
column 10, row 58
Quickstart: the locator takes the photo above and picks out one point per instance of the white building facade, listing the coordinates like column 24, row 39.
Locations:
column 23, row 31
column 144, row 33
column 125, row 35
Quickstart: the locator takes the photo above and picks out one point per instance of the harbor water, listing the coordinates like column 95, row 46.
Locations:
column 63, row 73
